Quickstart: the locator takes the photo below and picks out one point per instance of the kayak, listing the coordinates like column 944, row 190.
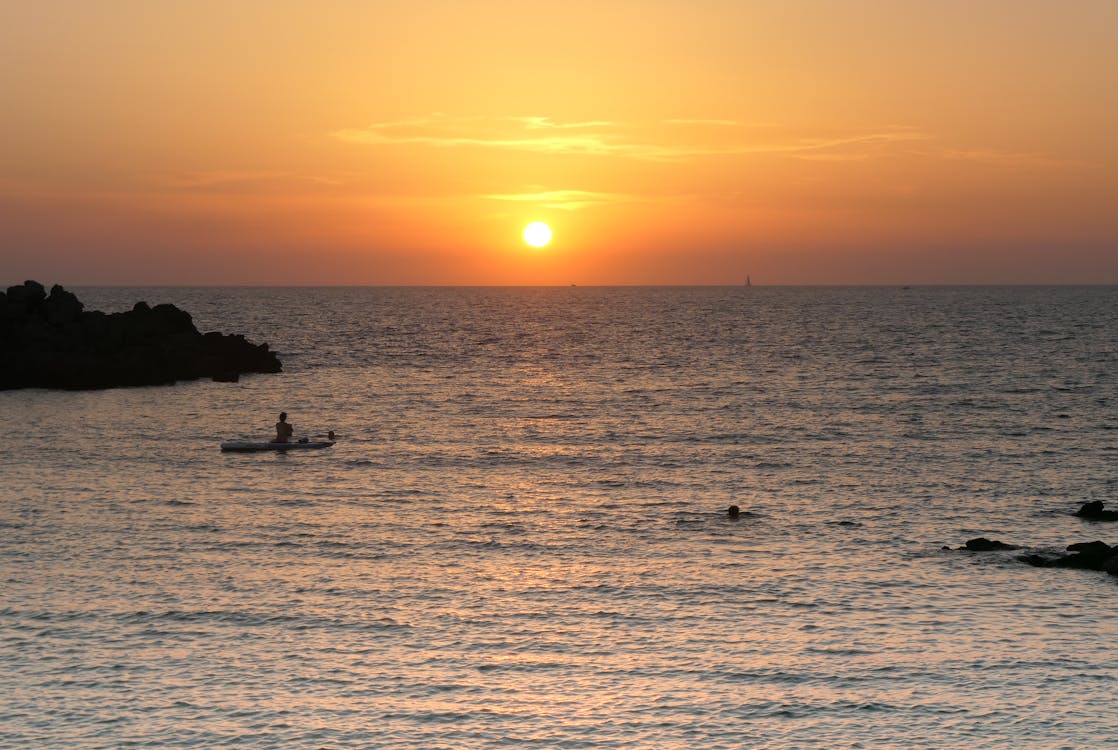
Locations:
column 245, row 446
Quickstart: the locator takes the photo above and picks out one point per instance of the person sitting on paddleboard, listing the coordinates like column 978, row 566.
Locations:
column 284, row 431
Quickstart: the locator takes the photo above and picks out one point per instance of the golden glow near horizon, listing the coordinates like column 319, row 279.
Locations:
column 373, row 142
column 537, row 234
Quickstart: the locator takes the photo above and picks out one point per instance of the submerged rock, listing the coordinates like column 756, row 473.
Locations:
column 982, row 544
column 1084, row 556
column 49, row 341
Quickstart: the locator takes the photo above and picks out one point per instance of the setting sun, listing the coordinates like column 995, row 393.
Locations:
column 537, row 234
column 660, row 154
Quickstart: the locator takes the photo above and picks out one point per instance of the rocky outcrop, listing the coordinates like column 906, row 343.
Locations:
column 1084, row 556
column 982, row 544
column 1093, row 511
column 50, row 341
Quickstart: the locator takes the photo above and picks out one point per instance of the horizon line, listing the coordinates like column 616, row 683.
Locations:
column 898, row 285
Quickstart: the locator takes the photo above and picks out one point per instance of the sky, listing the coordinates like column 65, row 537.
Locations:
column 363, row 142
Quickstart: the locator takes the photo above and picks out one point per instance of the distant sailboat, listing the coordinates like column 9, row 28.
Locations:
column 748, row 282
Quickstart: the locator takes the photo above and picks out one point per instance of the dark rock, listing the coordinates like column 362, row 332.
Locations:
column 1078, row 562
column 50, row 342
column 1084, row 556
column 982, row 544
column 29, row 296
column 1093, row 511
column 1095, row 548
column 733, row 512
column 61, row 307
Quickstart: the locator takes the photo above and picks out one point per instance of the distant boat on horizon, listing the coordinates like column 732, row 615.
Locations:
column 748, row 282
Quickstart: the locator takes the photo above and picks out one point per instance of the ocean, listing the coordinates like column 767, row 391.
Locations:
column 521, row 537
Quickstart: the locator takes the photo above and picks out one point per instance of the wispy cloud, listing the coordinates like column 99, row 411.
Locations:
column 565, row 200
column 546, row 123
column 680, row 140
column 717, row 123
column 668, row 140
column 598, row 138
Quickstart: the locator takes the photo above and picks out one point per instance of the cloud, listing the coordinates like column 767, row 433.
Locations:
column 598, row 138
column 542, row 123
column 719, row 123
column 668, row 140
column 565, row 200
column 679, row 140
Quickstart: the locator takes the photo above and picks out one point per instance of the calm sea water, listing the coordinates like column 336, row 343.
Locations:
column 520, row 539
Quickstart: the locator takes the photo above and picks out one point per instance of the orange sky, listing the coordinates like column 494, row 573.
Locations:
column 665, row 142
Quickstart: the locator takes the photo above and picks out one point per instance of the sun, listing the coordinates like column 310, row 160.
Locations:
column 537, row 234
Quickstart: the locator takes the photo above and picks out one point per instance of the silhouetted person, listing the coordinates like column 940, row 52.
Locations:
column 733, row 512
column 284, row 431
